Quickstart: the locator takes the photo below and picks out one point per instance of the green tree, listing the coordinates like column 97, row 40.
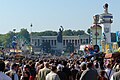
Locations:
column 8, row 39
column 80, row 32
column 2, row 39
column 45, row 33
column 25, row 34
column 48, row 33
column 68, row 33
column 73, row 33
column 54, row 33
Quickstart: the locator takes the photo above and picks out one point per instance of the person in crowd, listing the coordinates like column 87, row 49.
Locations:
column 13, row 72
column 40, row 66
column 97, row 66
column 90, row 73
column 2, row 75
column 66, row 70
column 32, row 71
column 43, row 72
column 82, row 68
column 102, row 64
column 7, row 66
column 102, row 75
column 116, row 75
column 26, row 73
column 109, row 70
column 83, row 61
column 60, row 73
column 73, row 72
column 53, row 74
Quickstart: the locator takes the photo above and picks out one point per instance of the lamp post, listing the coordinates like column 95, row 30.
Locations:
column 31, row 38
column 31, row 34
column 14, row 30
column 31, row 27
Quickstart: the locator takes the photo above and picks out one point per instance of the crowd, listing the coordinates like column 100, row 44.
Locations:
column 59, row 69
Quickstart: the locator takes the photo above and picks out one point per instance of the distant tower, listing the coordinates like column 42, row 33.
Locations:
column 106, row 20
column 96, row 30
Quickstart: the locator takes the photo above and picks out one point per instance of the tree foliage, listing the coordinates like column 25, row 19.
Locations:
column 54, row 33
column 45, row 33
column 8, row 39
column 1, row 39
column 68, row 33
column 25, row 34
column 73, row 33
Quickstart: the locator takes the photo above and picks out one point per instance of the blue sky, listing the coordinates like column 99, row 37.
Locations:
column 51, row 14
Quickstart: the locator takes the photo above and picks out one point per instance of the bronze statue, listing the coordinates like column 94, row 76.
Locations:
column 59, row 36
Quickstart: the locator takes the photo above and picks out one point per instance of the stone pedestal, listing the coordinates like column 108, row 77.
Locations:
column 59, row 47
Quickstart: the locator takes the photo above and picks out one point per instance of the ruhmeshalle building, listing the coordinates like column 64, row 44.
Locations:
column 36, row 41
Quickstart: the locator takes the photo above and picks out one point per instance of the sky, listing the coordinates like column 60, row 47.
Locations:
column 51, row 14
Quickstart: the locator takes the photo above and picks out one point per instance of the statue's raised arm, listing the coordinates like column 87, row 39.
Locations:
column 61, row 28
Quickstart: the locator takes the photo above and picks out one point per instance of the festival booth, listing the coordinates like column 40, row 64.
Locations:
column 16, row 53
column 112, row 55
column 15, row 50
column 18, row 56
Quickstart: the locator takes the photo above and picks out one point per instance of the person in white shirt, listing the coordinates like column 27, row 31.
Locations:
column 53, row 75
column 109, row 71
column 12, row 73
column 116, row 75
column 2, row 75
